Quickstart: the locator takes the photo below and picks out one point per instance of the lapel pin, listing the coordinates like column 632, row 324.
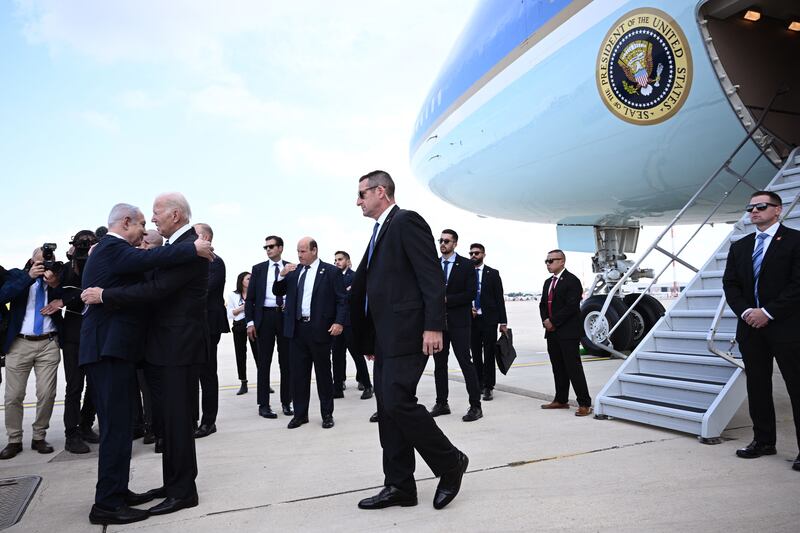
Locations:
column 778, row 238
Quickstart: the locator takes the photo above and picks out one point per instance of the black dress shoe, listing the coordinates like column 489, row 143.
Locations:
column 338, row 393
column 205, row 430
column 488, row 396
column 271, row 390
column 149, row 438
column 266, row 411
column 374, row 417
column 287, row 410
column 11, row 450
column 170, row 505
column 121, row 515
column 388, row 497
column 360, row 386
column 296, row 422
column 440, row 409
column 796, row 463
column 327, row 422
column 159, row 448
column 157, row 493
column 89, row 435
column 41, row 446
column 756, row 449
column 450, row 483
column 367, row 394
column 133, row 498
column 473, row 414
column 243, row 388
column 75, row 444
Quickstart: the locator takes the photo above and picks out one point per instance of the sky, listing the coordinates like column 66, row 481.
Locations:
column 262, row 113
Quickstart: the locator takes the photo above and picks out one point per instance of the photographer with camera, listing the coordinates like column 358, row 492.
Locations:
column 31, row 342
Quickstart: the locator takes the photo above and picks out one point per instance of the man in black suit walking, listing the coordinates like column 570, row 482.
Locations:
column 111, row 343
column 488, row 312
column 762, row 286
column 263, row 312
column 314, row 311
column 217, row 325
column 560, row 309
column 460, row 289
column 398, row 313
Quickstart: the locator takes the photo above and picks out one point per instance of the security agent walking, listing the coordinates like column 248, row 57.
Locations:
column 314, row 311
column 398, row 313
column 461, row 286
column 560, row 310
column 762, row 286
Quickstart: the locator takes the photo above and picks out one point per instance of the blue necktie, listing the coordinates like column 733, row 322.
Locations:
column 38, row 317
column 278, row 299
column 478, row 294
column 301, row 282
column 758, row 257
column 369, row 258
column 445, row 267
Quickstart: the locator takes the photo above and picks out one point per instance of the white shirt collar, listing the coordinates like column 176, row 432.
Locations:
column 313, row 267
column 558, row 276
column 180, row 231
column 770, row 230
column 118, row 236
column 382, row 218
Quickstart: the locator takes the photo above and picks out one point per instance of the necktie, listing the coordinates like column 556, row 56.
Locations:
column 300, row 288
column 278, row 299
column 445, row 268
column 372, row 242
column 166, row 243
column 38, row 317
column 758, row 257
column 550, row 296
column 478, row 294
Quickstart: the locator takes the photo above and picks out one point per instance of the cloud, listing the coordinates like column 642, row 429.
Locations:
column 100, row 121
column 226, row 209
column 236, row 103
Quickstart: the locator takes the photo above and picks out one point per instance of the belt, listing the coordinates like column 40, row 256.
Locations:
column 304, row 319
column 271, row 308
column 46, row 336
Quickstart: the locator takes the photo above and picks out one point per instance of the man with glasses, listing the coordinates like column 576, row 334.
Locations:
column 263, row 312
column 762, row 286
column 461, row 286
column 488, row 311
column 560, row 309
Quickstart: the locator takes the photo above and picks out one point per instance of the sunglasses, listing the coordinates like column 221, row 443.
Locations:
column 551, row 261
column 270, row 246
column 361, row 194
column 445, row 241
column 761, row 206
column 475, row 253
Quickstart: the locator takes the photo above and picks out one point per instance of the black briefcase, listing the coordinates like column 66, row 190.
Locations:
column 504, row 351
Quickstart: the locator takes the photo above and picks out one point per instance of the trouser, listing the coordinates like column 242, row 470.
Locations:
column 239, row 332
column 75, row 416
column 483, row 340
column 459, row 337
column 150, row 378
column 209, row 384
column 305, row 353
column 404, row 425
column 758, row 350
column 567, row 368
column 112, row 381
column 269, row 331
column 339, row 346
column 43, row 357
column 142, row 402
column 177, row 386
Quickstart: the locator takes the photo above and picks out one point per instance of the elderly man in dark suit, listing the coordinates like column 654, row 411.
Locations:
column 314, row 311
column 111, row 342
column 398, row 313
column 762, row 286
column 560, row 309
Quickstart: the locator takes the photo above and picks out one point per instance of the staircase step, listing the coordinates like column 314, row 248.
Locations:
column 700, row 320
column 694, row 394
column 703, row 298
column 788, row 185
column 690, row 342
column 679, row 380
column 711, row 279
column 661, row 414
column 791, row 171
column 685, row 366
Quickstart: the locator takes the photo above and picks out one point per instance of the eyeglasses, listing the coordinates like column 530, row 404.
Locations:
column 445, row 241
column 761, row 206
column 551, row 261
column 477, row 252
column 270, row 246
column 361, row 194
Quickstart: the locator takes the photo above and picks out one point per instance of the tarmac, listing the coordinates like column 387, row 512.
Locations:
column 529, row 470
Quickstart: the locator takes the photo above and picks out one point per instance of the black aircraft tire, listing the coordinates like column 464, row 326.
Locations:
column 590, row 311
column 644, row 316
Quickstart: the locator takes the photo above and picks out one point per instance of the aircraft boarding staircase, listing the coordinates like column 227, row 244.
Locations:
column 672, row 379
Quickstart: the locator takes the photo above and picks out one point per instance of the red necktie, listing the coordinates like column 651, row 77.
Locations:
column 550, row 296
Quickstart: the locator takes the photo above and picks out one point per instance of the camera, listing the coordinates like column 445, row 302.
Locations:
column 49, row 258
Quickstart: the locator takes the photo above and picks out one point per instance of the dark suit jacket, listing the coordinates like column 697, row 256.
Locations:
column 566, row 307
column 178, row 327
column 405, row 286
column 108, row 330
column 15, row 290
column 462, row 286
column 217, row 314
column 778, row 284
column 257, row 292
column 347, row 281
column 493, row 302
column 328, row 300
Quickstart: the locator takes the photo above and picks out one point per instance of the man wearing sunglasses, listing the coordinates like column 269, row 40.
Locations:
column 762, row 286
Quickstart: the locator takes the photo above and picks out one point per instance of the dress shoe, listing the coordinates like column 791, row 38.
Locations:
column 157, row 493
column 159, row 448
column 555, row 405
column 75, row 444
column 243, row 388
column 41, row 446
column 388, row 497
column 473, row 414
column 296, row 422
column 271, row 390
column 583, row 410
column 266, row 411
column 450, row 483
column 287, row 410
column 205, row 430
column 488, row 396
column 121, row 515
column 338, row 393
column 361, row 386
column 149, row 438
column 440, row 409
column 133, row 498
column 756, row 449
column 89, row 435
column 170, row 505
column 11, row 450
column 367, row 394
column 374, row 417
column 327, row 422
column 344, row 386
column 796, row 463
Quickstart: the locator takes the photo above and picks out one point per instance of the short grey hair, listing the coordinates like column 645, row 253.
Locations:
column 177, row 201
column 120, row 211
column 380, row 178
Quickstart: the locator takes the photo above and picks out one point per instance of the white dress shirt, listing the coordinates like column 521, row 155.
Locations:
column 270, row 300
column 479, row 273
column 30, row 312
column 308, row 287
column 234, row 300
column 451, row 260
column 177, row 235
column 770, row 233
